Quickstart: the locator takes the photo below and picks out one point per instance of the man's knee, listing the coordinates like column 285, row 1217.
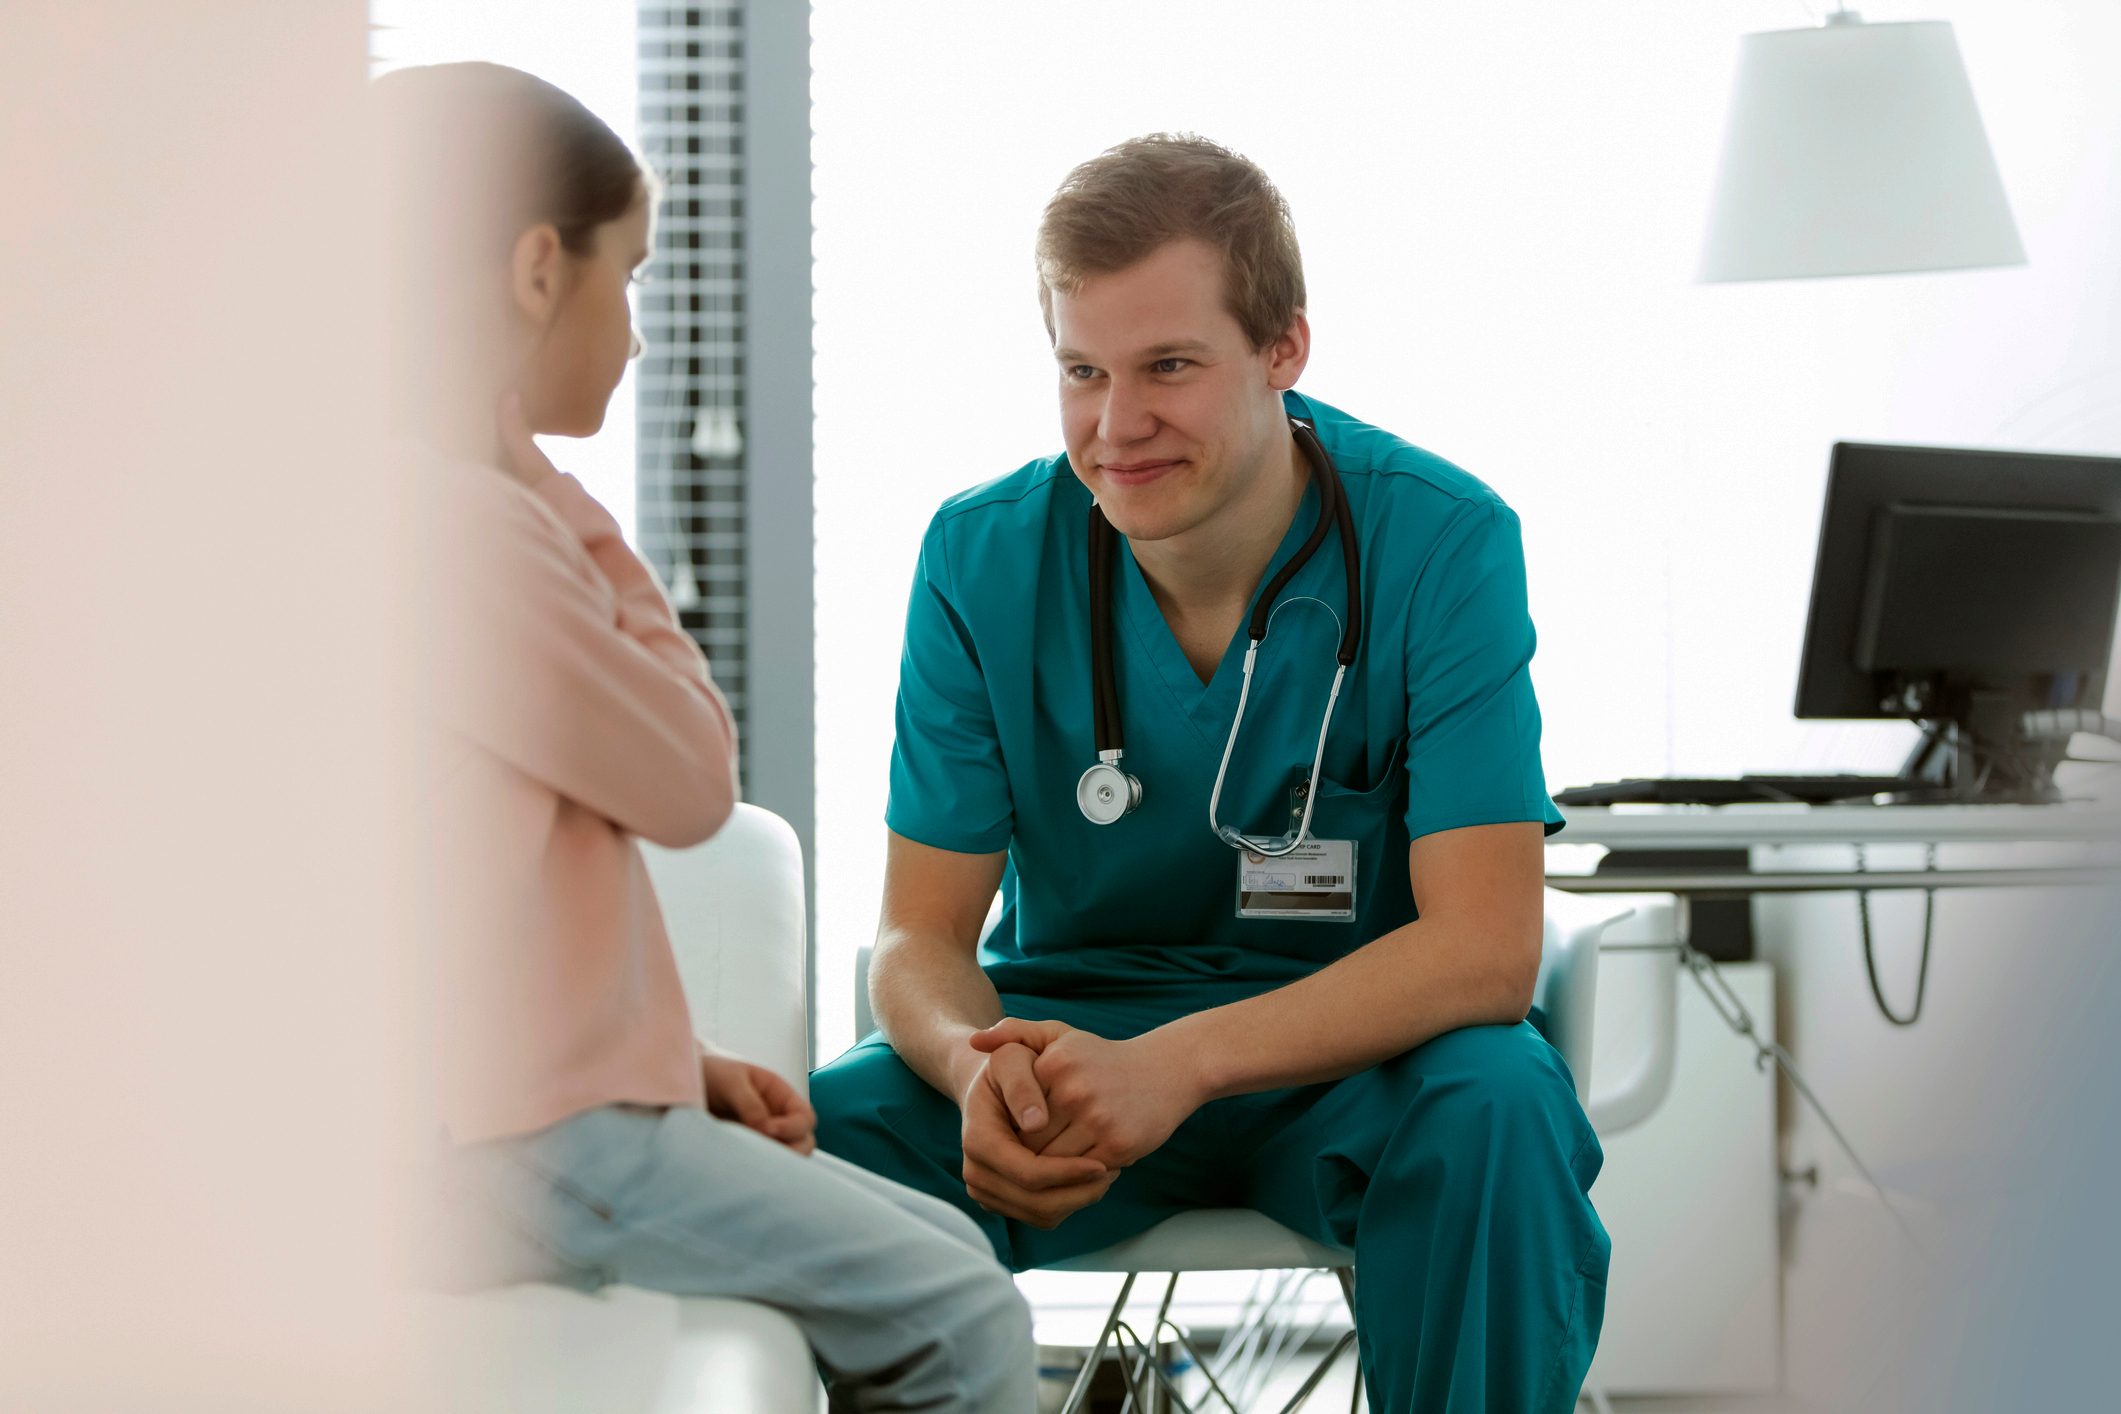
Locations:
column 1498, row 1093
column 875, row 1113
column 865, row 1099
column 1513, row 1063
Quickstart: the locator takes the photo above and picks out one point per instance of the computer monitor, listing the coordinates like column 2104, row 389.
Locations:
column 1961, row 588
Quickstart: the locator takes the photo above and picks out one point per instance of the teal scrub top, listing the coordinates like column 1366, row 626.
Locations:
column 1436, row 727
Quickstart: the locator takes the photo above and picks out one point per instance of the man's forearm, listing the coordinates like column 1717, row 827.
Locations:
column 929, row 995
column 1407, row 987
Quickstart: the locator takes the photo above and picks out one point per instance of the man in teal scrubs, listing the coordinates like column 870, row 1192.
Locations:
column 1350, row 1056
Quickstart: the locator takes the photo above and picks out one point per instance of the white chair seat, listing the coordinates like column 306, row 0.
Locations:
column 536, row 1349
column 1211, row 1240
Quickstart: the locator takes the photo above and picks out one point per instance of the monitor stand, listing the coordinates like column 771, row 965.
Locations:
column 1976, row 757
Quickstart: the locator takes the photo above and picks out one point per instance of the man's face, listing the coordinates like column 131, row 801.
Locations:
column 1168, row 412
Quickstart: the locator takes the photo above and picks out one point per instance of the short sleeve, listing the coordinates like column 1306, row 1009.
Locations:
column 1472, row 720
column 949, row 788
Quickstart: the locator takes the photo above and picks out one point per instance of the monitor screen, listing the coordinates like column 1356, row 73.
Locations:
column 1945, row 571
column 1991, row 596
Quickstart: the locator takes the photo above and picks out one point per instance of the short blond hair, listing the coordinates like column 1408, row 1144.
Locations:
column 1123, row 204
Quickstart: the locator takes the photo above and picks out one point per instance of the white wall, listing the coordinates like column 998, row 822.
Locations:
column 1500, row 209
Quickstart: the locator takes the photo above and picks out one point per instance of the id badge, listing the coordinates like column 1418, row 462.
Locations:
column 1316, row 880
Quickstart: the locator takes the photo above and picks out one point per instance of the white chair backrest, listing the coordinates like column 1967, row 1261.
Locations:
column 734, row 908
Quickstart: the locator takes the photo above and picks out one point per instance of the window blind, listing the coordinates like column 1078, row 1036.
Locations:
column 690, row 411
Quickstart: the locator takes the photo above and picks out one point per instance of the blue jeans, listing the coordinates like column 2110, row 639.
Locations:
column 898, row 1293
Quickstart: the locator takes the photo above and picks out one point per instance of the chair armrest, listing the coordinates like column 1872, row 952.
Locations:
column 1567, row 989
column 734, row 907
column 1653, row 937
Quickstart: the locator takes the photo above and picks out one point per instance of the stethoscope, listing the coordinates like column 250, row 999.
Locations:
column 1106, row 793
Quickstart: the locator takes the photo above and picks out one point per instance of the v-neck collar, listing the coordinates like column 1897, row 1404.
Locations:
column 1208, row 707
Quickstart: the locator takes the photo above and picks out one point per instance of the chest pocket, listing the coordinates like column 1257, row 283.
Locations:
column 1375, row 819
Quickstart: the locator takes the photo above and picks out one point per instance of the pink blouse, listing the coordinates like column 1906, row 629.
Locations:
column 576, row 714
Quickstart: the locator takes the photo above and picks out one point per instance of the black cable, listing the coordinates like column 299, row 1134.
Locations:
column 1870, row 956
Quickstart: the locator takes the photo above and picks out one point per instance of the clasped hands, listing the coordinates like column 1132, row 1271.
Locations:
column 1052, row 1114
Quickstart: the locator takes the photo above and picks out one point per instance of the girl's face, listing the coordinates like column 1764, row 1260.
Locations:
column 579, row 326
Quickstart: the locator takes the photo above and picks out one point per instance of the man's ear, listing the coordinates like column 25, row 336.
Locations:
column 536, row 269
column 1288, row 354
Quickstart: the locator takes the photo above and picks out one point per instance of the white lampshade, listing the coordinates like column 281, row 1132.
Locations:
column 1855, row 149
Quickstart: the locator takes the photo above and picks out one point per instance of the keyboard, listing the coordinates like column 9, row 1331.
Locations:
column 1734, row 790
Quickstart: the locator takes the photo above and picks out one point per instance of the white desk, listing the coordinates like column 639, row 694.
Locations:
column 2075, row 845
column 1726, row 1277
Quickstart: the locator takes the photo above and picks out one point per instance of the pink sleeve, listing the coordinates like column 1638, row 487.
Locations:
column 644, row 611
column 576, row 682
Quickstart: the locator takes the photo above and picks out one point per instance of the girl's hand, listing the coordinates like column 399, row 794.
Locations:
column 521, row 457
column 758, row 1099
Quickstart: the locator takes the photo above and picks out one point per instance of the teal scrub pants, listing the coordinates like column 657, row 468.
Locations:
column 1458, row 1173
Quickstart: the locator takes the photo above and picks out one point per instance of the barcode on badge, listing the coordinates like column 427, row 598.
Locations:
column 1323, row 881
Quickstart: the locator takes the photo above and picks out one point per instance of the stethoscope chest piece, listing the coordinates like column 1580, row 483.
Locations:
column 1106, row 794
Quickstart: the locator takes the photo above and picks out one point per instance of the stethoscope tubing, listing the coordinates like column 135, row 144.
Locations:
column 1333, row 513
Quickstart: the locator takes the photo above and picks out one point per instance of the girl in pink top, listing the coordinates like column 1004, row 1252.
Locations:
column 590, row 1136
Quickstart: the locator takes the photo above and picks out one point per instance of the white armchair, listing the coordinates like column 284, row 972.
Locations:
column 735, row 908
